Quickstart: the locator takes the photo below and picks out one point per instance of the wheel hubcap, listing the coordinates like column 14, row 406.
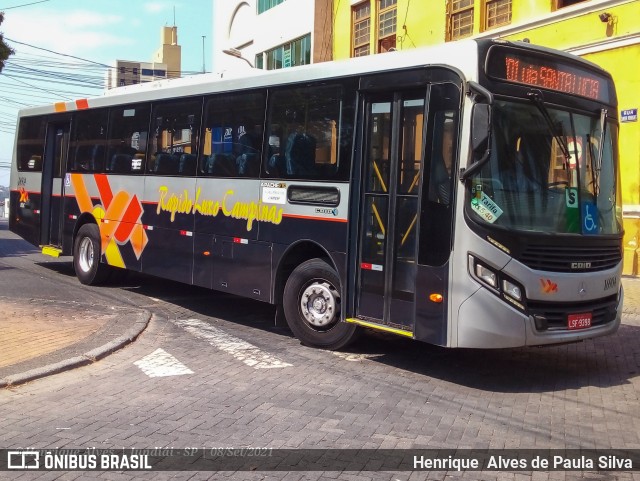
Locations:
column 319, row 304
column 85, row 259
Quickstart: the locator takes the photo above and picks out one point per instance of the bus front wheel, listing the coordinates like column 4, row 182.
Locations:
column 86, row 256
column 312, row 305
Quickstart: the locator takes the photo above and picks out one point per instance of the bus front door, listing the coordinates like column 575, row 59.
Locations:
column 53, row 168
column 387, row 242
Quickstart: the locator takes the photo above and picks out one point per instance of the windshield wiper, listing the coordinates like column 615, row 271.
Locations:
column 536, row 97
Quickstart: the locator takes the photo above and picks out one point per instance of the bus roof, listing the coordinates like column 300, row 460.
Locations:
column 460, row 55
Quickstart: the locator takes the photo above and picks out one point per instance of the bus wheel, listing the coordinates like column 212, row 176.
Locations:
column 86, row 256
column 311, row 304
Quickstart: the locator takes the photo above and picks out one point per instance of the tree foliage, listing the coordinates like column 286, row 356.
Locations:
column 5, row 50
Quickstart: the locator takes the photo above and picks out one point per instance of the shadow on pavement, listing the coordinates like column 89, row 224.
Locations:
column 602, row 362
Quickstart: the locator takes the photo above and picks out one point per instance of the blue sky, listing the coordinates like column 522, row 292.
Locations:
column 100, row 31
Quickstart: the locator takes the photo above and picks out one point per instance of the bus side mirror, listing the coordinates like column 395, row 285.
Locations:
column 480, row 129
column 480, row 140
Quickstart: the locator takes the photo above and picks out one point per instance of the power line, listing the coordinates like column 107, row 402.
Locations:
column 24, row 5
column 57, row 53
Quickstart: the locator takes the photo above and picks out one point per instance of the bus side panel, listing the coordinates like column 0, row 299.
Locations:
column 326, row 224
column 24, row 218
column 114, row 203
column 431, row 317
column 228, row 215
column 169, row 225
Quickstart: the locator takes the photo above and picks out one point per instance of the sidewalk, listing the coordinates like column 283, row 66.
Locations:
column 44, row 337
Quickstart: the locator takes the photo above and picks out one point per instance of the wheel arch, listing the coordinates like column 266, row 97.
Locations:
column 294, row 255
column 83, row 219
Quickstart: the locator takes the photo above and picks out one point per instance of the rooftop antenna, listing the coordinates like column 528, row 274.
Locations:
column 174, row 15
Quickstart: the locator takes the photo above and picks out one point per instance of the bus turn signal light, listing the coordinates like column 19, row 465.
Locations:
column 435, row 297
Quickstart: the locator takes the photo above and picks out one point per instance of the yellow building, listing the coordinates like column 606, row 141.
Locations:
column 606, row 32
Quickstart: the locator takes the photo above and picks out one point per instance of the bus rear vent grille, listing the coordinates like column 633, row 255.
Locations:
column 571, row 258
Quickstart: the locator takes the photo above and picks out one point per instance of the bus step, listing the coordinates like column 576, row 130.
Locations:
column 380, row 327
column 52, row 251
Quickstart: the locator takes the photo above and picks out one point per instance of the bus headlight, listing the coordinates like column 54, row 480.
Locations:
column 510, row 289
column 497, row 282
column 487, row 275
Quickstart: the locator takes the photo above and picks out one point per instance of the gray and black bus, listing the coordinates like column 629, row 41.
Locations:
column 465, row 195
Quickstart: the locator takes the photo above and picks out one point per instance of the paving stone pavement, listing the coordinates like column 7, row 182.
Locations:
column 243, row 382
column 385, row 393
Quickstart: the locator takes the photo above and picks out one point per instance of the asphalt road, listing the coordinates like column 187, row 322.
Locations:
column 212, row 370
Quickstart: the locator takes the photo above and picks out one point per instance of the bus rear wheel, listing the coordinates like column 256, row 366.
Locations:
column 86, row 256
column 312, row 306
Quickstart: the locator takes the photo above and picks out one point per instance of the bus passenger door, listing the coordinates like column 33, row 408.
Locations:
column 393, row 158
column 53, row 170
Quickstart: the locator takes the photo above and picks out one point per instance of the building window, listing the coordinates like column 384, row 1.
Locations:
column 387, row 20
column 122, row 82
column 460, row 19
column 290, row 54
column 498, row 12
column 264, row 5
column 361, row 28
column 122, row 69
column 135, row 70
column 566, row 3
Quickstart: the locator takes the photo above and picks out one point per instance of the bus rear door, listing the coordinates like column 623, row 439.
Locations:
column 53, row 170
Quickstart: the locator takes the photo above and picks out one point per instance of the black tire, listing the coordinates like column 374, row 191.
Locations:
column 311, row 304
column 87, row 252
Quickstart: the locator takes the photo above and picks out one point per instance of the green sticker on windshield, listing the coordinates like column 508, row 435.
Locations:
column 486, row 208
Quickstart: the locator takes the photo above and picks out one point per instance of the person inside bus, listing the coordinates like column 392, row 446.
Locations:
column 300, row 154
column 247, row 159
column 121, row 156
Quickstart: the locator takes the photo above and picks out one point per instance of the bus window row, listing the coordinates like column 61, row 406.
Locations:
column 303, row 133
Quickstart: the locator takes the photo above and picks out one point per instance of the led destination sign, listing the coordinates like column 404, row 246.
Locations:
column 547, row 73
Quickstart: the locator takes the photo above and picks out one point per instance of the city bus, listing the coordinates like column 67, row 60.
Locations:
column 465, row 195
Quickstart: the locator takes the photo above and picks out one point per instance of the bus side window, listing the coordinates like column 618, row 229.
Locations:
column 173, row 146
column 232, row 140
column 88, row 141
column 30, row 148
column 305, row 135
column 128, row 133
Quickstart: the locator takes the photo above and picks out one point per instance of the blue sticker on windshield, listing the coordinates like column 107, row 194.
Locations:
column 589, row 218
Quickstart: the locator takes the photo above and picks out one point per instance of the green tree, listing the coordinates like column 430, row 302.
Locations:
column 5, row 50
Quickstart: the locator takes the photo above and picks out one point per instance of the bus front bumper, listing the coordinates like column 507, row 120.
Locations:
column 486, row 322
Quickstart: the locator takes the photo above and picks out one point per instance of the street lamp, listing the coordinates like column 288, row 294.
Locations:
column 203, row 66
column 234, row 52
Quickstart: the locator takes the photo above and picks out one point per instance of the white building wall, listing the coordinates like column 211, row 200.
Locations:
column 236, row 24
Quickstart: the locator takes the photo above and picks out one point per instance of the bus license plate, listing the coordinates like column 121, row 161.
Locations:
column 579, row 321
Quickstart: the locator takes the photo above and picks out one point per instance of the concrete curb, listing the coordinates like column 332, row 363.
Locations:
column 89, row 357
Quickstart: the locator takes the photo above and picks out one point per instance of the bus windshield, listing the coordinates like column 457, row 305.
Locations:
column 530, row 183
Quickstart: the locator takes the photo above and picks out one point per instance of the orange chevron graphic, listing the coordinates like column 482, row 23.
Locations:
column 118, row 215
column 548, row 287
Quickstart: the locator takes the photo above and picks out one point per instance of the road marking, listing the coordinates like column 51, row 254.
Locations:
column 238, row 348
column 347, row 356
column 160, row 363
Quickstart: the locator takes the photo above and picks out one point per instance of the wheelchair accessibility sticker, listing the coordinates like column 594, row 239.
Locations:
column 589, row 218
